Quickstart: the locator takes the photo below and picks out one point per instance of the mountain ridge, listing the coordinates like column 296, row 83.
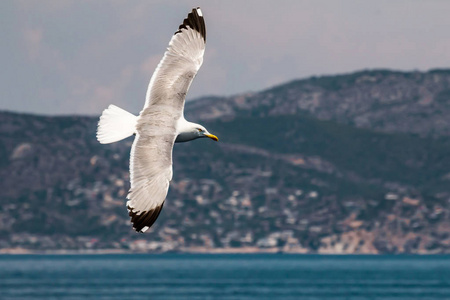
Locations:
column 362, row 99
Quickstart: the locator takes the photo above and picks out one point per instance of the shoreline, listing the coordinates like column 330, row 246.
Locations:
column 249, row 250
column 195, row 250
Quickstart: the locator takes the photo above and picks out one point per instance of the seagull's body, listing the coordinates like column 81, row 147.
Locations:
column 160, row 124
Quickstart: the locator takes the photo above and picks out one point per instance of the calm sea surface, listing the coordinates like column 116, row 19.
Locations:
column 180, row 276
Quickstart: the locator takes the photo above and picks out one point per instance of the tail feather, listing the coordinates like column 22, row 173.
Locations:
column 115, row 124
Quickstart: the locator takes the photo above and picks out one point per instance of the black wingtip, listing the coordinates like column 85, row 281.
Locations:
column 145, row 219
column 195, row 21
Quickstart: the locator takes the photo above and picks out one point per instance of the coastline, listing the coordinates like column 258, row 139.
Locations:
column 199, row 250
column 194, row 250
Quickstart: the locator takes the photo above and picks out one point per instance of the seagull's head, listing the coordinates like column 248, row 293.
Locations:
column 202, row 132
column 188, row 131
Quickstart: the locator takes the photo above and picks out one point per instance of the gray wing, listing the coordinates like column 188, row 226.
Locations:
column 151, row 153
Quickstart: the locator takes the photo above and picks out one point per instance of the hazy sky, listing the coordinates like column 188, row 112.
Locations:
column 76, row 57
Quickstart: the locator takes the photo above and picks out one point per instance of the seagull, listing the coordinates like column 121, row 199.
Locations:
column 160, row 123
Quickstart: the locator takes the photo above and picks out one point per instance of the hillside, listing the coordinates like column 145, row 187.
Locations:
column 381, row 100
column 354, row 163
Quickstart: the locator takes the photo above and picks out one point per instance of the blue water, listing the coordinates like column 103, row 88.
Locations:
column 179, row 276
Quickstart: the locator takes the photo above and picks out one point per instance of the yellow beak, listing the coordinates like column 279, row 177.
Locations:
column 212, row 136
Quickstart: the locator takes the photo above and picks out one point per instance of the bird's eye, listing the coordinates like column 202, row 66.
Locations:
column 199, row 130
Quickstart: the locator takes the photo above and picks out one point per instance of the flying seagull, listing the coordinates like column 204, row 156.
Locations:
column 160, row 124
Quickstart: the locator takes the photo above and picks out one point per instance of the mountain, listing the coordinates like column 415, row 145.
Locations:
column 355, row 163
column 381, row 100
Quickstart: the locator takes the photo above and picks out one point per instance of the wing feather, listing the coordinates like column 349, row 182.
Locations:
column 181, row 62
column 156, row 131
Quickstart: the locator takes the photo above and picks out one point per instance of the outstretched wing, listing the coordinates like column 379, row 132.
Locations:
column 183, row 58
column 151, row 153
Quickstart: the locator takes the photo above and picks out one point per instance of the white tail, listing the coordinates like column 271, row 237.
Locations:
column 115, row 124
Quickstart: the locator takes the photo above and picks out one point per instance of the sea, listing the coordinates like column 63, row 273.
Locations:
column 234, row 276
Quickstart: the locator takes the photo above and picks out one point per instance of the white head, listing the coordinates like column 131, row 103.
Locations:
column 188, row 131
